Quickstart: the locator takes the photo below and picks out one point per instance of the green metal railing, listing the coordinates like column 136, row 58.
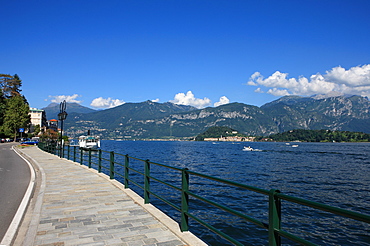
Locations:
column 96, row 159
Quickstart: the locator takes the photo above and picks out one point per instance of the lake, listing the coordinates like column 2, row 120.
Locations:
column 336, row 174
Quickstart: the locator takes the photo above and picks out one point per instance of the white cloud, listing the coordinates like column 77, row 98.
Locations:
column 68, row 99
column 155, row 100
column 355, row 80
column 277, row 92
column 223, row 100
column 101, row 102
column 355, row 76
column 189, row 99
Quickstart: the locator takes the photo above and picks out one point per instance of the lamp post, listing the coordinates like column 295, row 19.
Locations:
column 61, row 117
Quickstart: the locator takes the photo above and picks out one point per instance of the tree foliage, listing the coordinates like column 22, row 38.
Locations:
column 37, row 130
column 50, row 135
column 2, row 108
column 10, row 85
column 14, row 108
column 16, row 115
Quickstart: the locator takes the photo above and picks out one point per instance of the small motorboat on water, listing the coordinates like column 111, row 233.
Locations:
column 249, row 148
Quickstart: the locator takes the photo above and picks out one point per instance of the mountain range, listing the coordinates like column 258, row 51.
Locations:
column 53, row 109
column 167, row 120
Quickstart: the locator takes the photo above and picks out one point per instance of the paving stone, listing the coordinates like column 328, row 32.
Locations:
column 170, row 243
column 114, row 227
column 81, row 208
column 102, row 238
column 136, row 243
column 150, row 241
column 134, row 238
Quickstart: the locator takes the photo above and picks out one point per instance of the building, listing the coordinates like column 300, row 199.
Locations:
column 231, row 139
column 53, row 125
column 38, row 117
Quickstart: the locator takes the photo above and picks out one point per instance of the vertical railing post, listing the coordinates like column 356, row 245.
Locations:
column 89, row 158
column 99, row 161
column 74, row 153
column 147, row 182
column 126, row 171
column 274, row 218
column 184, row 200
column 69, row 149
column 81, row 156
column 111, row 169
column 62, row 149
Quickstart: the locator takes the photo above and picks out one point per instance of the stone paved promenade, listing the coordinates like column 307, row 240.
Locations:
column 74, row 205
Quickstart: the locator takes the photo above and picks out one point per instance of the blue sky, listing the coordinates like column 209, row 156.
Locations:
column 201, row 53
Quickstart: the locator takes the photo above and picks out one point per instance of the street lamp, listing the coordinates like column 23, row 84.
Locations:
column 61, row 117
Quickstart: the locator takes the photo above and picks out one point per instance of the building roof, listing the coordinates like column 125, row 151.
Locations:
column 36, row 109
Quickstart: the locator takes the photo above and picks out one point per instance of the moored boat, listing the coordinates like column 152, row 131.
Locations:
column 89, row 142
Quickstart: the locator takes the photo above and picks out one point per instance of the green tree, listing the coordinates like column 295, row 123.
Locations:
column 2, row 113
column 217, row 132
column 37, row 130
column 16, row 115
column 2, row 107
column 50, row 135
column 10, row 85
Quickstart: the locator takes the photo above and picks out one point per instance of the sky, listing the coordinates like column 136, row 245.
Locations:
column 203, row 53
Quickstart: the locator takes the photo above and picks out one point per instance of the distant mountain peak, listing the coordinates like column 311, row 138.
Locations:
column 53, row 109
column 330, row 94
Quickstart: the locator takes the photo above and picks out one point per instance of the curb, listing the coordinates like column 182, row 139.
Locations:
column 36, row 213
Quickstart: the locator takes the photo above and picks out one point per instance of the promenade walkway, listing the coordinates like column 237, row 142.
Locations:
column 74, row 205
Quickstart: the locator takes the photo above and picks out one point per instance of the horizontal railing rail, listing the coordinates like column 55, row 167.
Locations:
column 119, row 165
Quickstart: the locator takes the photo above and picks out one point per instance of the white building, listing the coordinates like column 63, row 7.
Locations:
column 38, row 117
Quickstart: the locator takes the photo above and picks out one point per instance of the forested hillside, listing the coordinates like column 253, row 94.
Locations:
column 321, row 136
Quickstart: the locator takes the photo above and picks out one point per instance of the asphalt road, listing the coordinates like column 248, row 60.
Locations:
column 14, row 179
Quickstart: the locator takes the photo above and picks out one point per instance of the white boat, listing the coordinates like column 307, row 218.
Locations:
column 249, row 148
column 89, row 142
column 295, row 145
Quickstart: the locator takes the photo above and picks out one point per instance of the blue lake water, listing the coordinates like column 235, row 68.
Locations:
column 336, row 174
